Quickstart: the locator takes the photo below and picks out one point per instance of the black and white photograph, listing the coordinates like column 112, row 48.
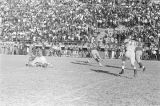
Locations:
column 79, row 52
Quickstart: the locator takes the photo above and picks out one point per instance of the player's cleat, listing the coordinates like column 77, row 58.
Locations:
column 122, row 71
column 144, row 69
column 140, row 65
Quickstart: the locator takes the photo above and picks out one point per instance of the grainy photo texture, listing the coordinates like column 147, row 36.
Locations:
column 79, row 52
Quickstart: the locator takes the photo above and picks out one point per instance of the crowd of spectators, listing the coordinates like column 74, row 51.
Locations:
column 71, row 21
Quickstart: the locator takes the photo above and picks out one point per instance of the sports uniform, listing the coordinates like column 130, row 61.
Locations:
column 133, row 52
column 94, row 52
column 38, row 59
column 138, row 53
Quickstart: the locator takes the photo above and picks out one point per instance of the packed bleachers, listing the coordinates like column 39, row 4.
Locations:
column 64, row 27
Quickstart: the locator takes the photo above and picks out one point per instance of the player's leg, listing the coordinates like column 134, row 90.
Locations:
column 30, row 60
column 44, row 62
column 106, row 54
column 35, row 62
column 132, row 59
column 123, row 67
column 123, row 64
column 138, row 59
column 31, row 63
column 92, row 55
column 96, row 56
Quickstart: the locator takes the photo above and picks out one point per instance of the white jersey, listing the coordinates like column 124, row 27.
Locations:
column 41, row 59
column 130, row 45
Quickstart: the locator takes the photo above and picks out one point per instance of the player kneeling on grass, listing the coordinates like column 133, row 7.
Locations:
column 38, row 61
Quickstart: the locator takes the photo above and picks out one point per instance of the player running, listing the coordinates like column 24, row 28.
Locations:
column 133, row 52
column 94, row 51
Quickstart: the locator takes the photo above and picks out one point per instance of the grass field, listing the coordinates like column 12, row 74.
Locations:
column 72, row 82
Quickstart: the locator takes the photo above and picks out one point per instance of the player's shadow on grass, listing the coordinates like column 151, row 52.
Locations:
column 82, row 63
column 117, row 67
column 107, row 72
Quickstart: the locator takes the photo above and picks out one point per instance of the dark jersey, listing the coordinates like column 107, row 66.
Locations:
column 93, row 46
column 139, row 47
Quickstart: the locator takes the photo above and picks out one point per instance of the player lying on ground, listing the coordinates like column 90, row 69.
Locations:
column 133, row 52
column 38, row 60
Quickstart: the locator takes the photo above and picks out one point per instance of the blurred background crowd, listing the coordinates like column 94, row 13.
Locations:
column 64, row 27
